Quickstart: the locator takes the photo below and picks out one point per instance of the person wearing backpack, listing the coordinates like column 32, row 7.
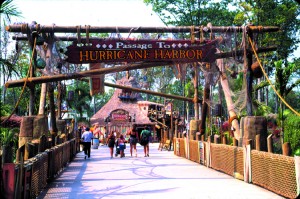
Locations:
column 144, row 140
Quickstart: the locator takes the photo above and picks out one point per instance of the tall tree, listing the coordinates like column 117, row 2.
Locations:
column 284, row 14
column 7, row 10
column 193, row 12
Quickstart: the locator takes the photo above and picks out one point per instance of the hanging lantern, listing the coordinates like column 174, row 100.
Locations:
column 40, row 63
column 257, row 72
column 39, row 40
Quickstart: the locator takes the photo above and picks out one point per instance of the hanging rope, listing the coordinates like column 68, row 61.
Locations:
column 87, row 31
column 192, row 34
column 273, row 87
column 201, row 34
column 78, row 35
column 24, row 86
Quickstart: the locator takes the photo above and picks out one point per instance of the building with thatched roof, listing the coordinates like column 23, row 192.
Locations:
column 125, row 109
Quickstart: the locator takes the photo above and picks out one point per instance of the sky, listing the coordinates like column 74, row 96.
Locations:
column 88, row 12
column 133, row 13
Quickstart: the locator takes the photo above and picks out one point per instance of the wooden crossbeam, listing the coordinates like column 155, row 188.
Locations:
column 25, row 28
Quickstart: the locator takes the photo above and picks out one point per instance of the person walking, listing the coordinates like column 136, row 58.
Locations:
column 133, row 139
column 144, row 140
column 121, row 144
column 111, row 143
column 87, row 137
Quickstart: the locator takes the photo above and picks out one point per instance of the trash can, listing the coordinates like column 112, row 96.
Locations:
column 95, row 143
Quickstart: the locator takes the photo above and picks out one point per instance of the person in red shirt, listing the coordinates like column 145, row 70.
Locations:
column 121, row 144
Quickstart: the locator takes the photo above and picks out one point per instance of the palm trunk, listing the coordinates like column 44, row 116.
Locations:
column 43, row 99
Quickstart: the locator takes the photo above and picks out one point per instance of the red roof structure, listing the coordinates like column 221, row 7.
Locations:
column 125, row 109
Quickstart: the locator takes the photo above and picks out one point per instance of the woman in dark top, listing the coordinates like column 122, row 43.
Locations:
column 133, row 139
column 111, row 143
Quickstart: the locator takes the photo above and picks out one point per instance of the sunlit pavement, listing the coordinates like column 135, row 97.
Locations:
column 162, row 175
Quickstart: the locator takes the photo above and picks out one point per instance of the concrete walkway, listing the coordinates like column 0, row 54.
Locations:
column 162, row 175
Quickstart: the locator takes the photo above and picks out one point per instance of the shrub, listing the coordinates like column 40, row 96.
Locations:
column 292, row 131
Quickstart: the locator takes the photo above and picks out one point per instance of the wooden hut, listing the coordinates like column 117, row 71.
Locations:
column 126, row 109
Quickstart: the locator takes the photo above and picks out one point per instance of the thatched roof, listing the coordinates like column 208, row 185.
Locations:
column 133, row 107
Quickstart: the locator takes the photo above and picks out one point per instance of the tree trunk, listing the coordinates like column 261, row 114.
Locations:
column 59, row 101
column 52, row 113
column 229, row 102
column 249, row 77
column 196, row 104
column 43, row 99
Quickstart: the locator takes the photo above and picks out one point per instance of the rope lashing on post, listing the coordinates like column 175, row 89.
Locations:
column 231, row 119
column 192, row 34
column 201, row 34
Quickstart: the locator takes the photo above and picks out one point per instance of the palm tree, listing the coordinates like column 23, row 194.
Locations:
column 8, row 10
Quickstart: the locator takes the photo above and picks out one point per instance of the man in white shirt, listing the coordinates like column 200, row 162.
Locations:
column 87, row 137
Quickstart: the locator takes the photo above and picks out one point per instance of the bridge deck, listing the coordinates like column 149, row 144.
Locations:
column 162, row 175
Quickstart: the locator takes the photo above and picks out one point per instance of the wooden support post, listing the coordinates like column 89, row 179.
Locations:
column 270, row 143
column 249, row 75
column 176, row 128
column 52, row 113
column 224, row 139
column 202, row 138
column 257, row 142
column 206, row 93
column 234, row 142
column 216, row 139
column 172, row 128
column 211, row 138
column 198, row 136
column 59, row 99
column 286, row 149
column 249, row 141
column 196, row 104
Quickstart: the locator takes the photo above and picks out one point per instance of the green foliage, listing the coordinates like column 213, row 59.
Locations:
column 192, row 12
column 9, row 141
column 82, row 99
column 292, row 131
column 262, row 109
column 8, row 136
column 229, row 137
column 4, row 109
column 297, row 152
column 8, row 9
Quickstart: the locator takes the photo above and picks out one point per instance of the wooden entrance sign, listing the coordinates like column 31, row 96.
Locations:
column 121, row 50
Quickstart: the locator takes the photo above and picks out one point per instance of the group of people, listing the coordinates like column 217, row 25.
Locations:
column 119, row 142
column 134, row 138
